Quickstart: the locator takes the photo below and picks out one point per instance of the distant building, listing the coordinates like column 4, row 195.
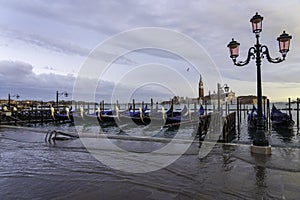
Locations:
column 200, row 88
column 201, row 99
column 175, row 99
column 251, row 99
column 212, row 98
column 231, row 98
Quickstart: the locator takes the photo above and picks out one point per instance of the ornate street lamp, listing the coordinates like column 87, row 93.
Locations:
column 284, row 43
column 256, row 21
column 259, row 51
column 226, row 88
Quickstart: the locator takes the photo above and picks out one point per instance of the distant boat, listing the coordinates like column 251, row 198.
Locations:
column 281, row 120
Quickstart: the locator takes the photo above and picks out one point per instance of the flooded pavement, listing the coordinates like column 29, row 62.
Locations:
column 31, row 168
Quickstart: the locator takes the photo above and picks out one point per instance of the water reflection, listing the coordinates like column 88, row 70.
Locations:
column 251, row 134
column 261, row 184
column 261, row 175
column 227, row 157
column 285, row 135
column 277, row 137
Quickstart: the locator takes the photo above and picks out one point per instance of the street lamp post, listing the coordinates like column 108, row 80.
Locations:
column 226, row 89
column 9, row 98
column 257, row 52
column 59, row 94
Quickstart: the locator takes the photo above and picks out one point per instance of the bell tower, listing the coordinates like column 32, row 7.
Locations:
column 200, row 88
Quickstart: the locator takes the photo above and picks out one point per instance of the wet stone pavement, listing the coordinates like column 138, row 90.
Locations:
column 33, row 169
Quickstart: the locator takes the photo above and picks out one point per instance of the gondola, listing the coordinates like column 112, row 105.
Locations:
column 252, row 119
column 82, row 118
column 182, row 117
column 281, row 120
column 201, row 111
column 63, row 116
column 140, row 117
column 66, row 115
column 155, row 118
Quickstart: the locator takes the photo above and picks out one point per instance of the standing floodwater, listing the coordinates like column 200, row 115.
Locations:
column 31, row 168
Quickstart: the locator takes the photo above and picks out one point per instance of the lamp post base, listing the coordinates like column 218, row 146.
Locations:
column 266, row 150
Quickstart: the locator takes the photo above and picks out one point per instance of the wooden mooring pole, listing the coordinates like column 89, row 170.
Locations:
column 228, row 126
column 42, row 113
column 289, row 105
column 238, row 113
column 244, row 111
column 298, row 101
column 268, row 115
column 264, row 100
column 226, row 108
column 172, row 103
column 133, row 105
column 205, row 107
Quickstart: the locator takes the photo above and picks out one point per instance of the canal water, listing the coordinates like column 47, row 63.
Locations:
column 32, row 168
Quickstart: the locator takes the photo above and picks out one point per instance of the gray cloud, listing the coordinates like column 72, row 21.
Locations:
column 75, row 27
column 49, row 68
column 93, row 15
column 17, row 77
column 273, row 74
column 49, row 43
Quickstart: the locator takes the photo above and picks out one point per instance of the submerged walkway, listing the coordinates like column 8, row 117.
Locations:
column 66, row 170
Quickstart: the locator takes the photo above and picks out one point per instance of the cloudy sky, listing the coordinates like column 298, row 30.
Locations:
column 45, row 44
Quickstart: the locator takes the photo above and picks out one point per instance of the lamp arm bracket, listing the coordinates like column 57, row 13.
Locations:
column 265, row 51
column 251, row 54
column 62, row 93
